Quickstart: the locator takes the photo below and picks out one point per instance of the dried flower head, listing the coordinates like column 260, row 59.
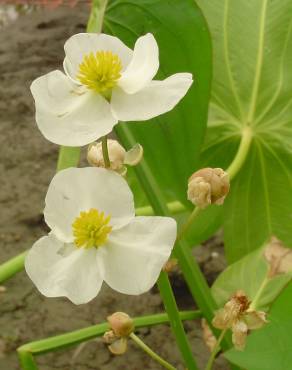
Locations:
column 239, row 317
column 208, row 186
column 121, row 324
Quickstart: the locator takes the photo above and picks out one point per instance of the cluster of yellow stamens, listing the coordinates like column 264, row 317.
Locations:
column 100, row 71
column 91, row 229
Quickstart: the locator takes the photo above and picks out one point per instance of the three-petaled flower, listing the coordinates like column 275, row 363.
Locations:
column 96, row 237
column 104, row 82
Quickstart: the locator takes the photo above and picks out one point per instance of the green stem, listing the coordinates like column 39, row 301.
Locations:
column 195, row 279
column 36, row 348
column 242, row 152
column 174, row 207
column 215, row 351
column 95, row 21
column 151, row 353
column 68, row 157
column 155, row 197
column 188, row 223
column 105, row 154
column 12, row 266
column 175, row 320
column 254, row 302
column 26, row 360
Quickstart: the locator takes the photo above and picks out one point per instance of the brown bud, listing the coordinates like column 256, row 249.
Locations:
column 116, row 155
column 121, row 324
column 208, row 186
column 232, row 311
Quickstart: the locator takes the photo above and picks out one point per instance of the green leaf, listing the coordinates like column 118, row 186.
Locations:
column 250, row 274
column 252, row 90
column 172, row 141
column 270, row 347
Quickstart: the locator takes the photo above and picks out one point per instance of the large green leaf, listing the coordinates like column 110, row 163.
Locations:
column 172, row 141
column 252, row 90
column 269, row 348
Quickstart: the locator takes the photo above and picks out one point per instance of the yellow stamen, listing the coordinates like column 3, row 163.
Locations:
column 100, row 71
column 91, row 229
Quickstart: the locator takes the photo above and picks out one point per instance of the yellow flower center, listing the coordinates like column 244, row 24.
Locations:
column 100, row 71
column 91, row 229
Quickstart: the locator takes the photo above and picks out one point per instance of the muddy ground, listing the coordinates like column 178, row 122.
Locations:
column 29, row 47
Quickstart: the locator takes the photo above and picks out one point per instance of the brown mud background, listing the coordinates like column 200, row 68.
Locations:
column 29, row 47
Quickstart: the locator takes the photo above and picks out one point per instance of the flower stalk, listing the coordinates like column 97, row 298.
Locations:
column 150, row 352
column 105, row 154
column 27, row 352
column 215, row 351
column 241, row 154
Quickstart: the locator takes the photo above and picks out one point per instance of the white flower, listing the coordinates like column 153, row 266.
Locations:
column 95, row 236
column 104, row 82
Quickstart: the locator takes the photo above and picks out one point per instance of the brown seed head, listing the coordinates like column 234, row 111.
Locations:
column 121, row 324
column 208, row 186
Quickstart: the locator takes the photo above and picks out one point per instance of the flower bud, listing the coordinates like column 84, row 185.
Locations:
column 121, row 324
column 208, row 186
column 116, row 155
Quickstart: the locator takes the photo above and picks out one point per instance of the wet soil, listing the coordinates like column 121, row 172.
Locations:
column 29, row 47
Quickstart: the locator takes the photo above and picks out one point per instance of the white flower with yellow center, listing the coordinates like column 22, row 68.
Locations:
column 104, row 82
column 96, row 237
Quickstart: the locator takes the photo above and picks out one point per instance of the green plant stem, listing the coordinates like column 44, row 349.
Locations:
column 193, row 275
column 37, row 348
column 215, row 351
column 68, row 157
column 151, row 353
column 105, row 154
column 12, row 266
column 27, row 361
column 170, row 305
column 242, row 152
column 188, row 223
column 174, row 207
column 95, row 21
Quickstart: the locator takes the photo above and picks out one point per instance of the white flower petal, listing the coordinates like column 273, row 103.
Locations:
column 68, row 114
column 84, row 43
column 135, row 254
column 143, row 66
column 74, row 275
column 79, row 189
column 156, row 98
